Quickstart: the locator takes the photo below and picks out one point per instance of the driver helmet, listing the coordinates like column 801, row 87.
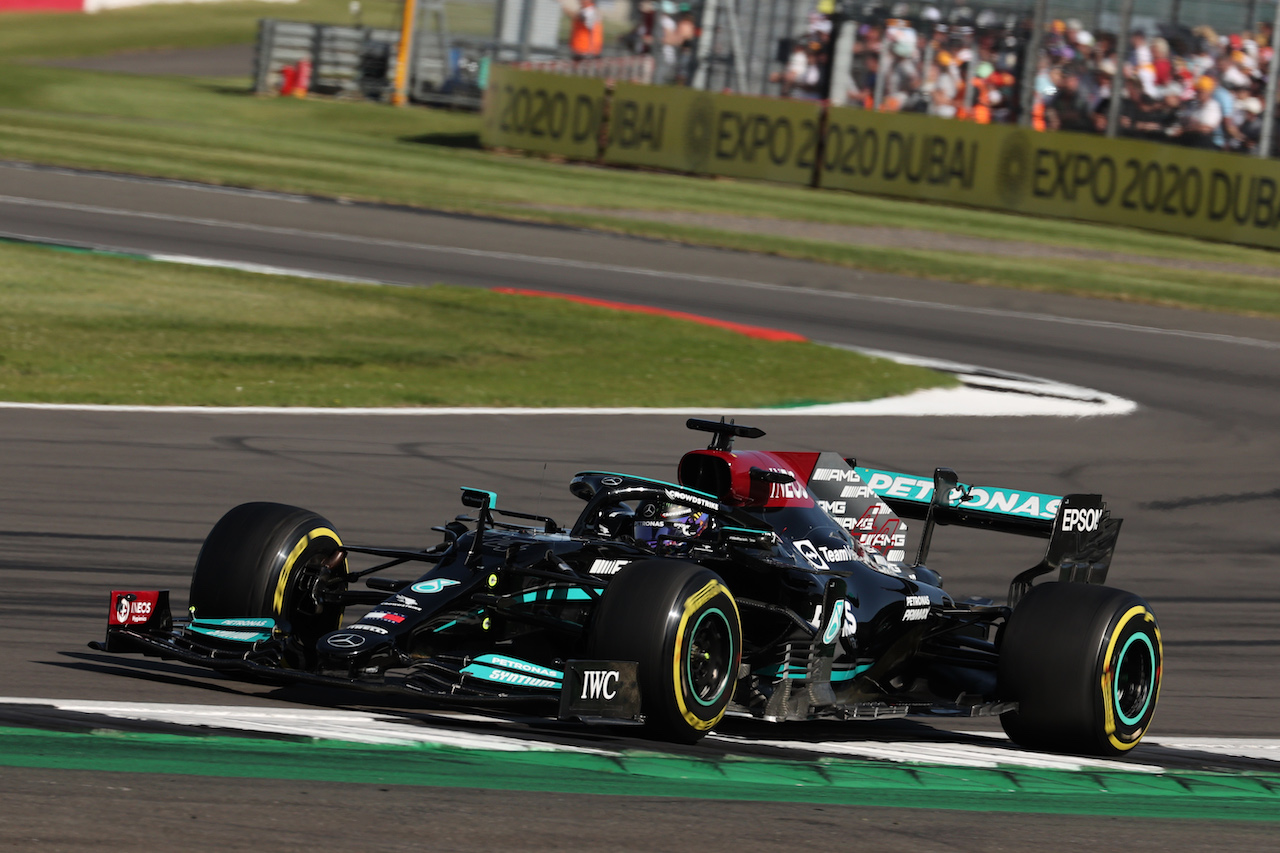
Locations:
column 663, row 525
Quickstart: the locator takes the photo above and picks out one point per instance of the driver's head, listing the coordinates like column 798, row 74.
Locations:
column 660, row 523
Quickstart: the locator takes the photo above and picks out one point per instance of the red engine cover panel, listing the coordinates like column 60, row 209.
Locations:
column 729, row 476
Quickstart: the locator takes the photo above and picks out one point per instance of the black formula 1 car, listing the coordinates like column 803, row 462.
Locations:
column 773, row 585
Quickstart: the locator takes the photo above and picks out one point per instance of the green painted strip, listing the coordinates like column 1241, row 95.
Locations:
column 1180, row 794
column 73, row 248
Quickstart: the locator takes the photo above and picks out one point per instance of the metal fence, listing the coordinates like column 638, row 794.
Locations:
column 632, row 69
column 762, row 32
column 344, row 60
column 444, row 69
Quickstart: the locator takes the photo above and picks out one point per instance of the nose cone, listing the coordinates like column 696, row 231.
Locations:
column 348, row 643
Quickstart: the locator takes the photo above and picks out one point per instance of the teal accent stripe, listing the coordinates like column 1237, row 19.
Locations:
column 506, row 676
column 782, row 671
column 993, row 499
column 1175, row 794
column 688, row 676
column 517, row 665
column 849, row 674
column 493, row 496
column 559, row 593
column 236, row 635
column 799, row 672
column 836, row 676
column 1115, row 689
column 264, row 623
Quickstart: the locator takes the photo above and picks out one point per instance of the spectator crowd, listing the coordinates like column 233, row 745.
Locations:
column 1192, row 86
column 1189, row 85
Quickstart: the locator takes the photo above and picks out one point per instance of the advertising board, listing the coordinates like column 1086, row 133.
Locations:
column 537, row 111
column 687, row 130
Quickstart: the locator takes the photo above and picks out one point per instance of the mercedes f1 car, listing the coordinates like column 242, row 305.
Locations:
column 772, row 585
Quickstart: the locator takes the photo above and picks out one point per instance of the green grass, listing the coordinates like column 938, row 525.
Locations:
column 79, row 327
column 214, row 131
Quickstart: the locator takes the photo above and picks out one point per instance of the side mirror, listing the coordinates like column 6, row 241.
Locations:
column 478, row 498
column 580, row 488
column 764, row 476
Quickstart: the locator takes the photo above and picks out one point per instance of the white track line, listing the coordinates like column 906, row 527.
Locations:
column 1263, row 749
column 348, row 726
column 641, row 271
column 264, row 269
column 950, row 754
column 947, row 402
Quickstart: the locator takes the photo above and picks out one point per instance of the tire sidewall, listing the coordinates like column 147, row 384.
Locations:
column 649, row 613
column 308, row 540
column 252, row 565
column 1061, row 654
column 1132, row 645
column 704, row 603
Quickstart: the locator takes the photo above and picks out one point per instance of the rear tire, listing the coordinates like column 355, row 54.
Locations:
column 268, row 559
column 1084, row 664
column 680, row 622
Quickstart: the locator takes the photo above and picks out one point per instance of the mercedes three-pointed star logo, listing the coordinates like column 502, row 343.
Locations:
column 346, row 641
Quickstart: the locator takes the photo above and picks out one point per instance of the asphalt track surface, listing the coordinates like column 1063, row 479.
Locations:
column 96, row 500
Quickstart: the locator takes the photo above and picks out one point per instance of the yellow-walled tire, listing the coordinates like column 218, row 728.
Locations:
column 269, row 559
column 680, row 623
column 1084, row 663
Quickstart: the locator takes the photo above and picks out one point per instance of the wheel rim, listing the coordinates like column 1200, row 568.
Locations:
column 709, row 658
column 308, row 581
column 1135, row 676
column 304, row 597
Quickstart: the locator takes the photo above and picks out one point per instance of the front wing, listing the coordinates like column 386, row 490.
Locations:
column 590, row 690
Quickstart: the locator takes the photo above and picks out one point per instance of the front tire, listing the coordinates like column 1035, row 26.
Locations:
column 681, row 623
column 1084, row 663
column 268, row 559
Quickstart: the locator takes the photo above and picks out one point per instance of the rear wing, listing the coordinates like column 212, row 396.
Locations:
column 1081, row 532
column 991, row 507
